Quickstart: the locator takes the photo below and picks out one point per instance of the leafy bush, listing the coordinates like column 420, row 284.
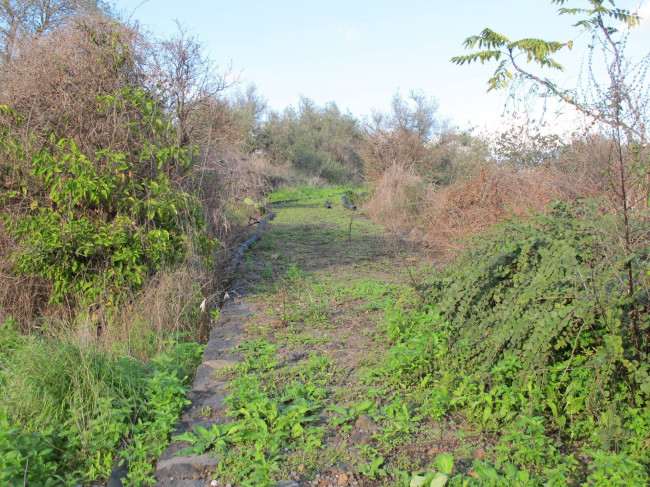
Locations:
column 537, row 338
column 542, row 291
column 318, row 141
column 98, row 224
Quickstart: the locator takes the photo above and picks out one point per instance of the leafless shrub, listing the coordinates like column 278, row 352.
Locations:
column 55, row 79
column 21, row 297
column 493, row 192
column 397, row 199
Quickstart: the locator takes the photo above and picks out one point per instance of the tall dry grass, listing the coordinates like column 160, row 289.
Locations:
column 441, row 217
column 491, row 193
column 397, row 200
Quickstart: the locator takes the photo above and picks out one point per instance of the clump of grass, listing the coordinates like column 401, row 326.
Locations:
column 66, row 408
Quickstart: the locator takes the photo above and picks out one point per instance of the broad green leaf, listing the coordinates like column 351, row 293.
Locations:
column 445, row 463
column 421, row 480
column 440, row 480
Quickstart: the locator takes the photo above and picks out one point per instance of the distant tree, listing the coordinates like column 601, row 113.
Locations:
column 318, row 141
column 26, row 18
column 401, row 136
column 190, row 83
column 249, row 106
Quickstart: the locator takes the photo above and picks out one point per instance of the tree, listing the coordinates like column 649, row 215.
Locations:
column 617, row 104
column 26, row 18
column 190, row 83
column 316, row 141
column 401, row 136
column 249, row 107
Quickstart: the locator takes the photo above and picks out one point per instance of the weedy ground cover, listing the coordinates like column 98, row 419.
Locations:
column 67, row 409
column 333, row 193
column 311, row 399
column 355, row 374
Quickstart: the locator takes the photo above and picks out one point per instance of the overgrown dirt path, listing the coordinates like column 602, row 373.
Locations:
column 299, row 379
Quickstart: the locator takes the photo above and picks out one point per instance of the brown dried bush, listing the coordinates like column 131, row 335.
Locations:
column 21, row 297
column 397, row 199
column 54, row 81
column 492, row 192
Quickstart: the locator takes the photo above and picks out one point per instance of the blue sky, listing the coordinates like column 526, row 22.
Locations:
column 360, row 53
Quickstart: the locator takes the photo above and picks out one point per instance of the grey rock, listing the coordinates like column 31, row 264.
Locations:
column 366, row 423
column 181, row 483
column 364, row 428
column 177, row 471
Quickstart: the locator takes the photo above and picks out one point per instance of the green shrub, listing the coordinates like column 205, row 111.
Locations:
column 95, row 225
column 543, row 291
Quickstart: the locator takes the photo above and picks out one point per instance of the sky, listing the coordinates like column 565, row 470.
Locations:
column 359, row 53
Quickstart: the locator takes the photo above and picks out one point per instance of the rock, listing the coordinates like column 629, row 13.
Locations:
column 364, row 428
column 366, row 423
column 416, row 235
column 288, row 483
column 186, row 467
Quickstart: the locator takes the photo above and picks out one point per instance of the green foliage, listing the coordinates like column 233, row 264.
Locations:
column 418, row 338
column 166, row 387
column 600, row 19
column 616, row 469
column 66, row 410
column 266, row 422
column 494, row 46
column 99, row 223
column 316, row 141
column 309, row 192
column 373, row 469
column 534, row 290
column 20, row 448
column 531, row 337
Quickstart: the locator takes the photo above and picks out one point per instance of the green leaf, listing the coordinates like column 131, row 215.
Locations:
column 445, row 463
column 421, row 480
column 440, row 480
column 486, row 473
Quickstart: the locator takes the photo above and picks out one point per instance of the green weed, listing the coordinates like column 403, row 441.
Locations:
column 66, row 410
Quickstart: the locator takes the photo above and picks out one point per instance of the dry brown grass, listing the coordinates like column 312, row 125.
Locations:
column 397, row 199
column 441, row 217
column 168, row 305
column 492, row 193
column 21, row 297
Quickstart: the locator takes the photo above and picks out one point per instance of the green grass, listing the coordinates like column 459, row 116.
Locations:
column 331, row 192
column 66, row 408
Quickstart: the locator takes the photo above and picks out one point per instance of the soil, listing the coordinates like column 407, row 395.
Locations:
column 316, row 284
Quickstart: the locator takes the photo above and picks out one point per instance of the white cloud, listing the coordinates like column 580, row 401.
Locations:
column 349, row 34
